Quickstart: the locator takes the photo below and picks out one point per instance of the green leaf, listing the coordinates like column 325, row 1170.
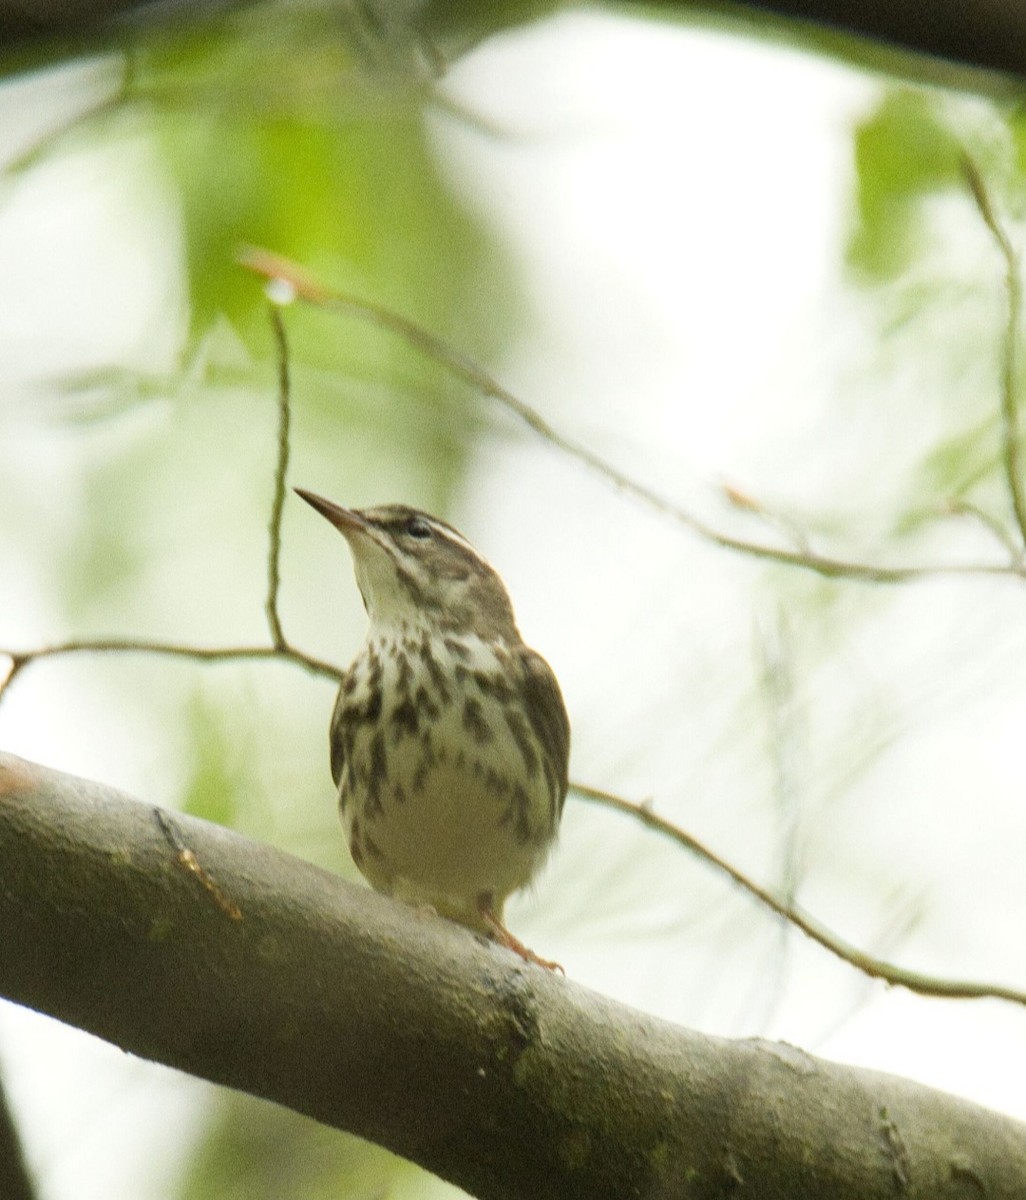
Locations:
column 904, row 154
column 304, row 132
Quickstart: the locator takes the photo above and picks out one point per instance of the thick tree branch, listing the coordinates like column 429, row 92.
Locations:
column 977, row 33
column 15, row 1181
column 228, row 959
column 876, row 968
column 70, row 20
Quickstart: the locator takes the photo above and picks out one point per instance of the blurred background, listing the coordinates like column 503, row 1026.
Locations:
column 748, row 274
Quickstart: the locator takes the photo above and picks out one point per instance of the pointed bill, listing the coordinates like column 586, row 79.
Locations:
column 344, row 519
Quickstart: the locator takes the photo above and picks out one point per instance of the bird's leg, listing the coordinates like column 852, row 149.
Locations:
column 500, row 934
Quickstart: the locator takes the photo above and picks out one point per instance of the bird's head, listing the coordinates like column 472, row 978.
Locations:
column 415, row 570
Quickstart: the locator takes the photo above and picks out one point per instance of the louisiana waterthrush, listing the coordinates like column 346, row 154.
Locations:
column 449, row 738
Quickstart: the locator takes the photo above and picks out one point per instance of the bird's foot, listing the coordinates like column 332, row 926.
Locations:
column 503, row 936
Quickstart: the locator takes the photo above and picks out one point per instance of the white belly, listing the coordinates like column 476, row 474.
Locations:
column 438, row 797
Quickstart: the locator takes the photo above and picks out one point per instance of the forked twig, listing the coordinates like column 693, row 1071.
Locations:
column 20, row 659
column 280, row 647
column 273, row 267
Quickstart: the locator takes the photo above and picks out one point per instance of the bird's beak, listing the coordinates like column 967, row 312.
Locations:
column 346, row 520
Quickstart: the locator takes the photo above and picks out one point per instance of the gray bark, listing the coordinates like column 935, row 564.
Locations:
column 184, row 943
column 15, row 1180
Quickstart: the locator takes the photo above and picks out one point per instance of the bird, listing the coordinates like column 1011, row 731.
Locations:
column 449, row 739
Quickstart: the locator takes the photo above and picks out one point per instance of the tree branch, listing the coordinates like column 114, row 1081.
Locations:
column 1011, row 436
column 280, row 473
column 980, row 33
column 414, row 1033
column 15, row 1181
column 277, row 269
column 977, row 33
column 21, row 659
column 875, row 968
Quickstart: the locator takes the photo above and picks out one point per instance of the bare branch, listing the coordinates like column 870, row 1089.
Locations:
column 273, row 266
column 1012, row 436
column 744, row 502
column 965, row 508
column 20, row 659
column 18, row 663
column 280, row 472
column 914, row 981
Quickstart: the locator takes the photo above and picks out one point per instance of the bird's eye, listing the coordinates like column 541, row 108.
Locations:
column 418, row 528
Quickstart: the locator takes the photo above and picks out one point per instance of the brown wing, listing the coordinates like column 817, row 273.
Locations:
column 336, row 739
column 547, row 714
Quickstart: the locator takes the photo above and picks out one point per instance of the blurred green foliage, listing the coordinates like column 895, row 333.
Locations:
column 296, row 129
column 218, row 782
column 904, row 153
column 920, row 248
column 307, row 130
column 256, row 1151
column 304, row 130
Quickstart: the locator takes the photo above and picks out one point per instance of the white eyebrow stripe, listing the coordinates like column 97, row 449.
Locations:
column 385, row 513
column 458, row 539
column 451, row 535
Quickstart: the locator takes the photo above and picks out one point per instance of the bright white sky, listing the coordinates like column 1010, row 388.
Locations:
column 678, row 200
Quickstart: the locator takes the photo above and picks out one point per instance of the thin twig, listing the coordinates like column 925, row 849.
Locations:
column 914, row 981
column 1011, row 439
column 280, row 647
column 51, row 139
column 743, row 502
column 273, row 266
column 20, row 659
column 281, row 469
column 961, row 507
column 18, row 663
column 776, row 687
